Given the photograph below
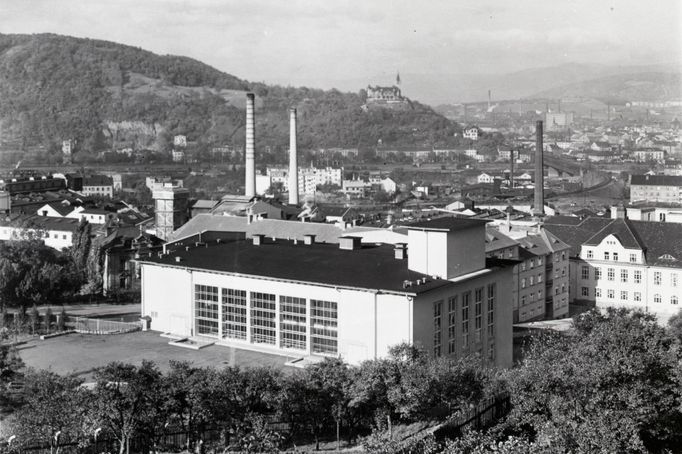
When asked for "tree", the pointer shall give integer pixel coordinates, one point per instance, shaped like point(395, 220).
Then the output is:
point(61, 323)
point(81, 246)
point(34, 319)
point(614, 386)
point(54, 410)
point(675, 325)
point(10, 364)
point(48, 319)
point(124, 397)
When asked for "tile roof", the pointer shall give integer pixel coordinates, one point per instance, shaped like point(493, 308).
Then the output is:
point(369, 267)
point(621, 229)
point(660, 241)
point(448, 223)
point(324, 233)
point(98, 180)
point(576, 235)
point(656, 180)
point(41, 222)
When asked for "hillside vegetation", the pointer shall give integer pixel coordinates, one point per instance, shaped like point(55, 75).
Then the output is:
point(107, 95)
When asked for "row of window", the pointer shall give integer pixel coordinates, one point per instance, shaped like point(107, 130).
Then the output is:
point(624, 295)
point(611, 256)
point(483, 312)
point(624, 275)
point(226, 312)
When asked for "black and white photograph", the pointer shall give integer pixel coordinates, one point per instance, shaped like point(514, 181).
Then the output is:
point(341, 227)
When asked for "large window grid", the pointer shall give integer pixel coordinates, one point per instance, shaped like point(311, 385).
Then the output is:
point(478, 313)
point(234, 314)
point(437, 327)
point(323, 327)
point(452, 323)
point(466, 298)
point(491, 311)
point(263, 318)
point(292, 322)
point(206, 310)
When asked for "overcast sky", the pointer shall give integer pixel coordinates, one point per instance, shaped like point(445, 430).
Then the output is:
point(323, 43)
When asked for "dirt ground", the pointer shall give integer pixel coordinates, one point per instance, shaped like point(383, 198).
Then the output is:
point(83, 353)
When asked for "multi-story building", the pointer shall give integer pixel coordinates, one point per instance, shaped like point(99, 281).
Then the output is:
point(342, 300)
point(471, 133)
point(100, 185)
point(55, 232)
point(633, 264)
point(656, 188)
point(649, 155)
point(540, 287)
point(171, 209)
point(558, 120)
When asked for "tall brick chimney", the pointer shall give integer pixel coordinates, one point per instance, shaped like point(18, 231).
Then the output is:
point(539, 199)
point(250, 151)
point(293, 159)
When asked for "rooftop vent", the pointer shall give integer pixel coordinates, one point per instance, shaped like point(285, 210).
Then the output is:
point(350, 243)
point(258, 239)
point(187, 248)
point(199, 244)
point(407, 284)
point(400, 251)
point(178, 259)
point(308, 239)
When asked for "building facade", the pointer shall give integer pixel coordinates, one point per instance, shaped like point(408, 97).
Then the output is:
point(656, 189)
point(631, 264)
point(306, 298)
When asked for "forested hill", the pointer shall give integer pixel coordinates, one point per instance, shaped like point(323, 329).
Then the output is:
point(107, 95)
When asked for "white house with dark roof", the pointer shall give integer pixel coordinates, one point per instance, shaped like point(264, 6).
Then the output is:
point(349, 300)
point(656, 189)
point(55, 232)
point(631, 264)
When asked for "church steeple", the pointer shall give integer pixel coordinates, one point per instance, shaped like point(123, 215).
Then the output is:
point(397, 79)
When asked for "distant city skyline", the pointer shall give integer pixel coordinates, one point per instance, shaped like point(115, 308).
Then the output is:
point(339, 43)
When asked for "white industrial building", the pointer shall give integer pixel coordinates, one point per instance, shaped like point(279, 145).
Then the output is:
point(353, 300)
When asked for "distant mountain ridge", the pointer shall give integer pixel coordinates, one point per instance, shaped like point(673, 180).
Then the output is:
point(437, 89)
point(105, 95)
point(649, 86)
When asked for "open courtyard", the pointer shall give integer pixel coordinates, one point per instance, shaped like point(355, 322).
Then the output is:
point(82, 354)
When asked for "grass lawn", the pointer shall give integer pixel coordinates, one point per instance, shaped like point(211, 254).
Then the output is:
point(83, 353)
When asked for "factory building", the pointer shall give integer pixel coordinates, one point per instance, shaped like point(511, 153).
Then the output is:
point(349, 300)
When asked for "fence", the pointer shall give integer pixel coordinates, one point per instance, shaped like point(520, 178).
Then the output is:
point(101, 326)
point(484, 415)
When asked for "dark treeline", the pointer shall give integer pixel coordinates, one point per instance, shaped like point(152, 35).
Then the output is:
point(131, 401)
point(614, 384)
point(34, 274)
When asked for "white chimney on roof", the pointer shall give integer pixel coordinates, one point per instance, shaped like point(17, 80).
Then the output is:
point(250, 151)
point(293, 159)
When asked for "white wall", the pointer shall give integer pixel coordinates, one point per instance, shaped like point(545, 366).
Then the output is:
point(368, 323)
point(166, 297)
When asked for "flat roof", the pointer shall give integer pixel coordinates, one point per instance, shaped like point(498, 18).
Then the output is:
point(371, 267)
point(448, 223)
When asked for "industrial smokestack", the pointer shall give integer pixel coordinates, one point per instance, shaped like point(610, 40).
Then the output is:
point(250, 153)
point(539, 199)
point(489, 99)
point(293, 159)
point(511, 170)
